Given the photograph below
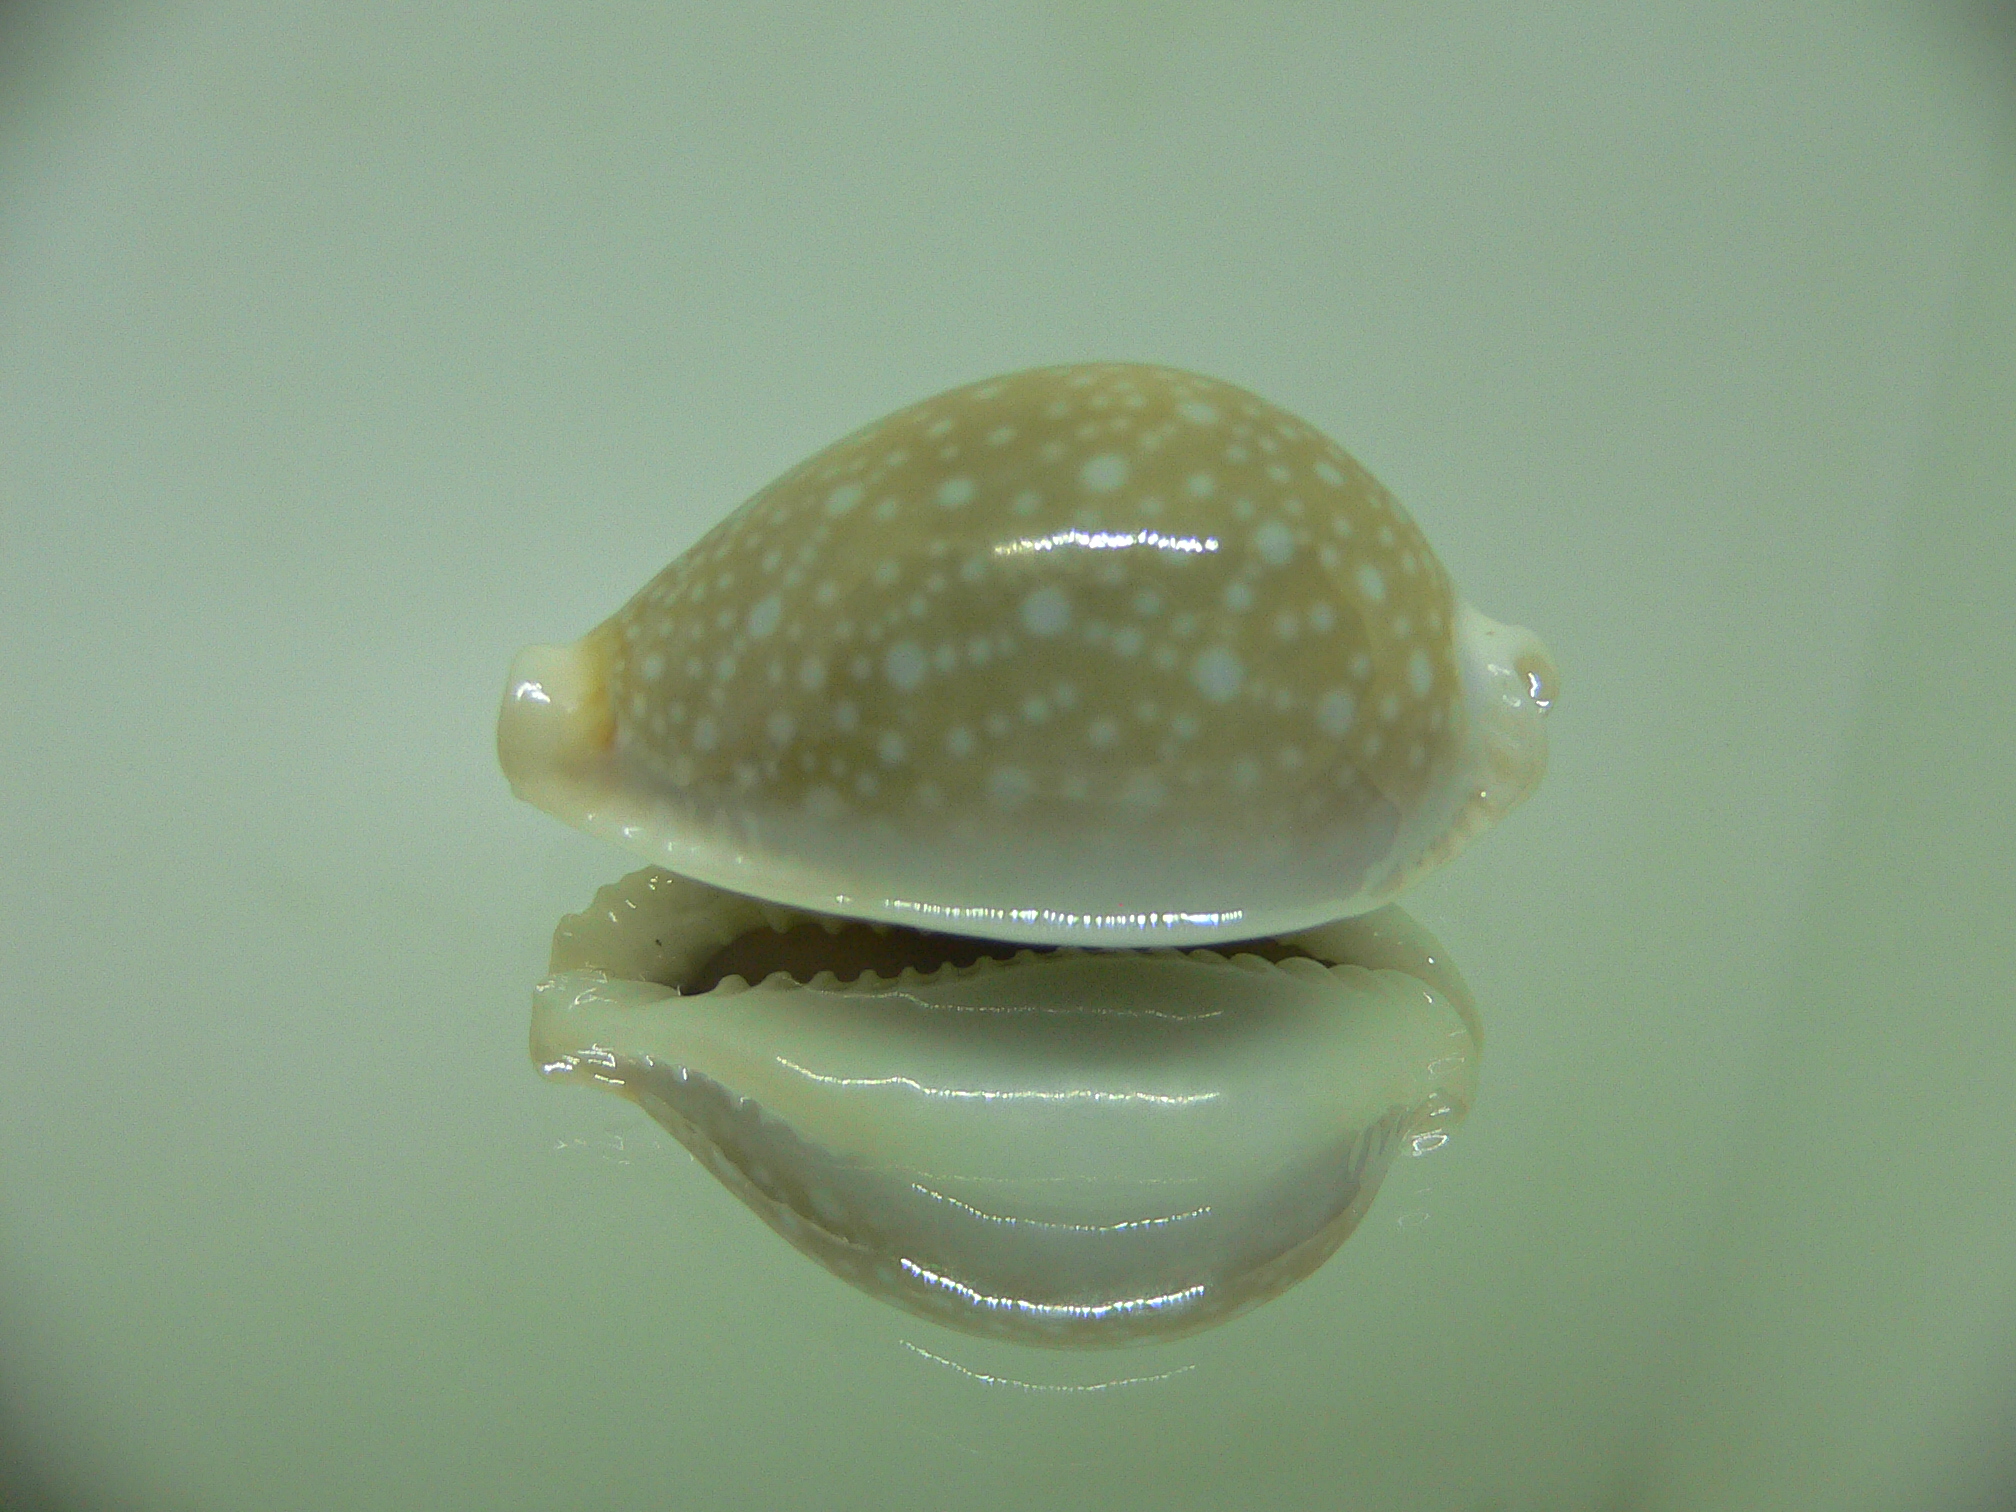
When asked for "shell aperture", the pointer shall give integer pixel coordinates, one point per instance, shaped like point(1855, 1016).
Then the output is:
point(1079, 1148)
point(1104, 654)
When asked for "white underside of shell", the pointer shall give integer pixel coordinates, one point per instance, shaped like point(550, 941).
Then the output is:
point(1079, 1148)
point(1189, 877)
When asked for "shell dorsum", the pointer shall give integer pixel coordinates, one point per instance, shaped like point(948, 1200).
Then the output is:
point(1100, 653)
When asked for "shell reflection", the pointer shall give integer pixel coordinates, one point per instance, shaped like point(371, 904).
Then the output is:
point(1065, 1147)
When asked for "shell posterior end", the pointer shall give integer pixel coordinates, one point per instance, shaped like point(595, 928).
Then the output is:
point(556, 723)
point(1512, 684)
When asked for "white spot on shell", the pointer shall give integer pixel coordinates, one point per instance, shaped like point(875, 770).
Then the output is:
point(1046, 611)
point(1275, 542)
point(954, 492)
point(843, 498)
point(904, 665)
point(1372, 582)
point(1336, 711)
point(1197, 412)
point(1218, 673)
point(1009, 786)
point(1420, 672)
point(1104, 473)
point(764, 616)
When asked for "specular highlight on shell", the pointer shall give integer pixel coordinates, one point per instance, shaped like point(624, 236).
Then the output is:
point(1103, 653)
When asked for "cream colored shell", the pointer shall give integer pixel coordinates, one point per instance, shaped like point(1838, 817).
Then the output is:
point(1099, 653)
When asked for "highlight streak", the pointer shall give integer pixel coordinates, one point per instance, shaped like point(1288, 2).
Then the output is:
point(1091, 1312)
point(1067, 1228)
point(1106, 540)
point(946, 913)
point(1011, 1383)
point(988, 1095)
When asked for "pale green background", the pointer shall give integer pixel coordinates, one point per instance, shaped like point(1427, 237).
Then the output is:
point(344, 348)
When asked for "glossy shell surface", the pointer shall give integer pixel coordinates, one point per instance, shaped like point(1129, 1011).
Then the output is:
point(1104, 654)
point(1079, 1148)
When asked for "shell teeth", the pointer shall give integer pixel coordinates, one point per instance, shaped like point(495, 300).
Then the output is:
point(825, 981)
point(949, 972)
point(778, 917)
point(1245, 960)
point(1204, 953)
point(1303, 966)
point(730, 985)
point(780, 978)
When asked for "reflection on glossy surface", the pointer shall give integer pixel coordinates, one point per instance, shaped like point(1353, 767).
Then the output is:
point(1067, 1147)
point(1103, 654)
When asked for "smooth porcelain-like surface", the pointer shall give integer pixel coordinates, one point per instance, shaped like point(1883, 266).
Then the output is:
point(1069, 1148)
point(1097, 654)
point(347, 349)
